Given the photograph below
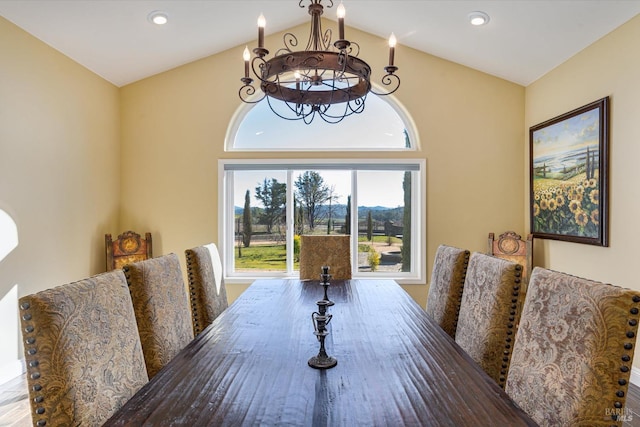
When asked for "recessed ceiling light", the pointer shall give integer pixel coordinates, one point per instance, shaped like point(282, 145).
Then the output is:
point(158, 17)
point(478, 18)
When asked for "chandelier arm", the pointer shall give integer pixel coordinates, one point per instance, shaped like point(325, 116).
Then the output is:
point(343, 58)
point(290, 41)
point(260, 67)
point(390, 81)
point(326, 39)
point(353, 49)
point(247, 91)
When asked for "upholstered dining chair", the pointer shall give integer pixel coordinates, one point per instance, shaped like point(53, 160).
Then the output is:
point(82, 351)
point(510, 246)
point(206, 285)
point(447, 283)
point(573, 351)
point(489, 313)
point(129, 247)
point(161, 306)
point(317, 251)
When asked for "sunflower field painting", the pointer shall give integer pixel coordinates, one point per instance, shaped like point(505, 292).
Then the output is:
point(569, 177)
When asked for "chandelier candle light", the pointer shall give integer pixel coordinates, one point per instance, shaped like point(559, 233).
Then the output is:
point(323, 80)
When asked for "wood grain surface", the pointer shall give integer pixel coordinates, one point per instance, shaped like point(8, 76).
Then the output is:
point(395, 366)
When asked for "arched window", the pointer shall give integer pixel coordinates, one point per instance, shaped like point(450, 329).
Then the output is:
point(383, 126)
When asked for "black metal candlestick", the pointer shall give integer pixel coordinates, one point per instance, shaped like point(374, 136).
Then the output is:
point(325, 276)
point(320, 321)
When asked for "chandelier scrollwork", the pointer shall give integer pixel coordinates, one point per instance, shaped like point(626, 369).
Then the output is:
point(325, 80)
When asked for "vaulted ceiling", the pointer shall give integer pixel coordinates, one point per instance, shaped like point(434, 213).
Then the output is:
point(523, 40)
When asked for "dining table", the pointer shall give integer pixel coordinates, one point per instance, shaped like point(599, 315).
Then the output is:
point(250, 367)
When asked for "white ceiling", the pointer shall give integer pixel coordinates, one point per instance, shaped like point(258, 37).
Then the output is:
point(524, 39)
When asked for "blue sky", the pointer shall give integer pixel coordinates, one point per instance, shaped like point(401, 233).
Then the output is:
point(377, 188)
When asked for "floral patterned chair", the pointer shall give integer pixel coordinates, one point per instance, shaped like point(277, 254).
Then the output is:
point(129, 247)
point(489, 313)
point(325, 250)
point(162, 309)
point(573, 352)
point(510, 246)
point(447, 283)
point(82, 350)
point(206, 286)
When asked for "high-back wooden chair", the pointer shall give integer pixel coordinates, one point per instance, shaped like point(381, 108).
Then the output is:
point(128, 248)
point(489, 313)
point(446, 287)
point(161, 306)
point(325, 250)
point(510, 246)
point(206, 285)
point(82, 350)
point(573, 352)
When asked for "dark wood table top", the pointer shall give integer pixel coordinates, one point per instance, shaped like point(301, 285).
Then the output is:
point(395, 366)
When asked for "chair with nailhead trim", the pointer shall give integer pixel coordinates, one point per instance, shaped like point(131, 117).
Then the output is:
point(510, 246)
point(573, 351)
point(162, 310)
point(447, 283)
point(82, 350)
point(489, 313)
point(206, 286)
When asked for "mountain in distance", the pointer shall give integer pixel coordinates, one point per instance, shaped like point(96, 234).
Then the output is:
point(377, 212)
point(336, 208)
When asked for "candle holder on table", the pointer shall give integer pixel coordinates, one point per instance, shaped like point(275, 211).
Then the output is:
point(320, 321)
point(325, 277)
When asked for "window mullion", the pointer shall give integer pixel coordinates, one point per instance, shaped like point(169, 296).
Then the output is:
point(354, 222)
point(228, 230)
point(289, 222)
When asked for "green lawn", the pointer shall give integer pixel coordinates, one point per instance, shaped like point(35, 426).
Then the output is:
point(273, 257)
point(262, 257)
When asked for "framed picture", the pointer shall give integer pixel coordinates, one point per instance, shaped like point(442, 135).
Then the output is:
point(569, 177)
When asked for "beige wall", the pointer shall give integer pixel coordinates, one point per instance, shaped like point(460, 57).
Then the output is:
point(469, 123)
point(609, 67)
point(59, 163)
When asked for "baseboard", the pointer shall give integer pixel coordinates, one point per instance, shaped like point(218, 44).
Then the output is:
point(635, 376)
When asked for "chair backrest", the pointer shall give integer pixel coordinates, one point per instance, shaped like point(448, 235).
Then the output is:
point(82, 351)
point(447, 283)
point(206, 285)
point(161, 306)
point(573, 352)
point(489, 313)
point(325, 250)
point(128, 248)
point(510, 246)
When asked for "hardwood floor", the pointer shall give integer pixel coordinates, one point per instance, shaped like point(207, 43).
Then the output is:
point(14, 405)
point(633, 407)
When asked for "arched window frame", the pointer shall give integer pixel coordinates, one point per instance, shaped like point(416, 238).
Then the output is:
point(391, 101)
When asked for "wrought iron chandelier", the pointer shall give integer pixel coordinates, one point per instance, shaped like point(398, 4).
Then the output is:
point(326, 80)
